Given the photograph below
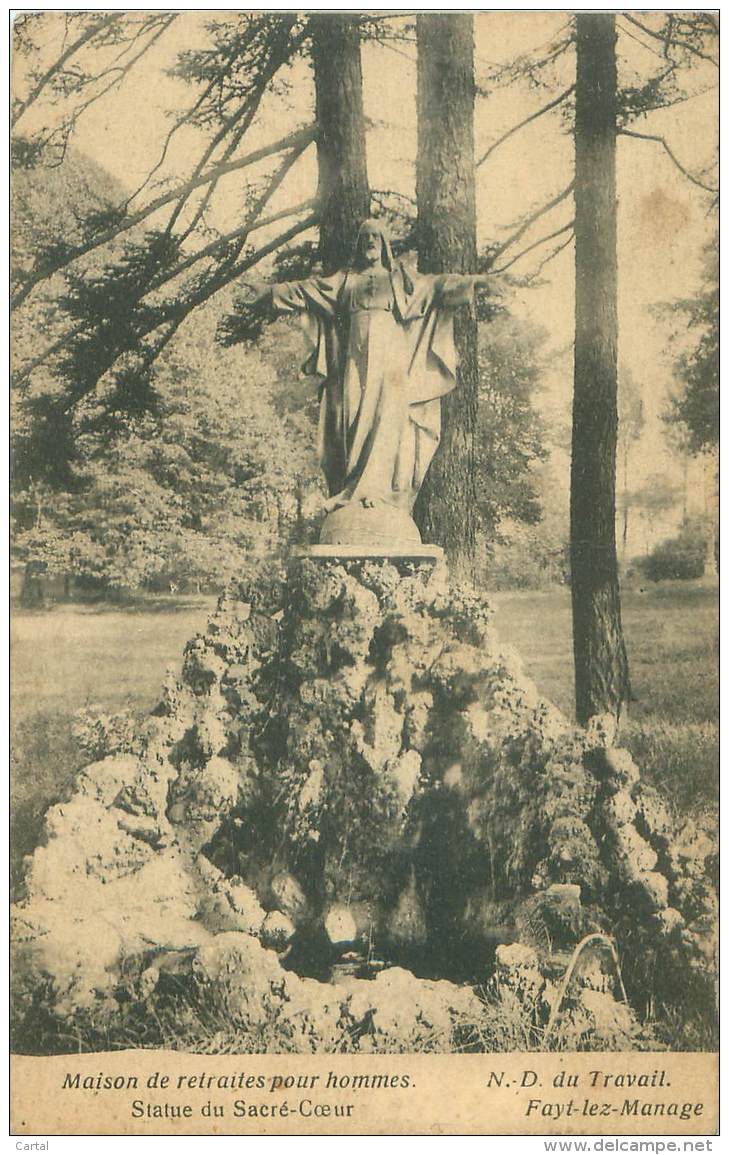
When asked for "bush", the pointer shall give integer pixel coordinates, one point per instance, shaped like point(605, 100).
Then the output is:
point(527, 559)
point(680, 557)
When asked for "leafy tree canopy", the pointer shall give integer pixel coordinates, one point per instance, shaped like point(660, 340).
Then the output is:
point(696, 368)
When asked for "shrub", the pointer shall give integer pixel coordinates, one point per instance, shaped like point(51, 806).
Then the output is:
point(526, 560)
point(99, 733)
point(680, 557)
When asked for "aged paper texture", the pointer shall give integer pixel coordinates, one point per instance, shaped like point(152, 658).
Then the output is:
point(361, 362)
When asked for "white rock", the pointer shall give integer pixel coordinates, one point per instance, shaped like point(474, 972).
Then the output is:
point(339, 925)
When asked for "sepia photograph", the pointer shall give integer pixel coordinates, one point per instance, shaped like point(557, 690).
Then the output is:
point(364, 571)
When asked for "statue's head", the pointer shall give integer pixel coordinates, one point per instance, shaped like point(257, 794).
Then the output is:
point(372, 245)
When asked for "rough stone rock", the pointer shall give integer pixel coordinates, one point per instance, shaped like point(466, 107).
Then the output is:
point(230, 907)
point(516, 957)
point(84, 846)
point(288, 896)
point(202, 665)
point(669, 921)
point(405, 773)
point(373, 752)
point(340, 925)
point(243, 973)
point(601, 730)
point(620, 809)
point(633, 855)
point(82, 948)
point(610, 1020)
point(652, 888)
point(104, 780)
point(199, 798)
point(406, 924)
point(311, 791)
point(560, 908)
point(310, 1015)
point(616, 767)
point(400, 1012)
point(518, 974)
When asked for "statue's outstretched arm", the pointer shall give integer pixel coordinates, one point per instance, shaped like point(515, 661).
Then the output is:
point(458, 288)
point(312, 295)
point(453, 289)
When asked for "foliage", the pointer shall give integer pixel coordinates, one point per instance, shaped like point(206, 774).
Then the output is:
point(510, 432)
point(198, 488)
point(655, 497)
point(190, 468)
point(682, 557)
point(98, 733)
point(697, 367)
point(119, 279)
point(528, 558)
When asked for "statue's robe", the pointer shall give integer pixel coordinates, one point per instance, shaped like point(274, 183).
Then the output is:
point(381, 343)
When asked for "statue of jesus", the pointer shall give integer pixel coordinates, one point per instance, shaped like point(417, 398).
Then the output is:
point(381, 342)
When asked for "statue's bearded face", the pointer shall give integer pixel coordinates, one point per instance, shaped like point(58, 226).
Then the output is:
point(370, 245)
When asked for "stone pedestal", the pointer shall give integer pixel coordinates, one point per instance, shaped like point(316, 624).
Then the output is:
point(379, 526)
point(374, 553)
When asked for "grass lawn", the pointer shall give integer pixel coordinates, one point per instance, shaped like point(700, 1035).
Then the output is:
point(116, 657)
point(74, 656)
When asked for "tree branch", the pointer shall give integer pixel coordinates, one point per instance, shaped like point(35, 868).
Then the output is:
point(522, 123)
point(529, 221)
point(41, 272)
point(569, 227)
point(660, 140)
point(251, 224)
point(182, 120)
point(669, 40)
point(58, 64)
point(223, 277)
point(175, 312)
point(637, 39)
point(245, 114)
point(526, 66)
point(118, 74)
point(241, 235)
point(21, 376)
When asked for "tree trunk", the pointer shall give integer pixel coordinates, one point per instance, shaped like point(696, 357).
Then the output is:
point(601, 667)
point(625, 501)
point(31, 593)
point(711, 506)
point(446, 508)
point(344, 192)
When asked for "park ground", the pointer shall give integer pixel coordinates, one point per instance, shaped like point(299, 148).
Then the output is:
point(114, 658)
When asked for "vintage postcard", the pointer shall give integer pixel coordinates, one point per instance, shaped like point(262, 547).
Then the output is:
point(364, 572)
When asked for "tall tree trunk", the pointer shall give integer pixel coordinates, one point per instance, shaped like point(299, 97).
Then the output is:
point(711, 506)
point(344, 192)
point(446, 508)
point(601, 666)
point(626, 498)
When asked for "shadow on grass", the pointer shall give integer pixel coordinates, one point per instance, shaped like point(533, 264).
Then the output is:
point(136, 604)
